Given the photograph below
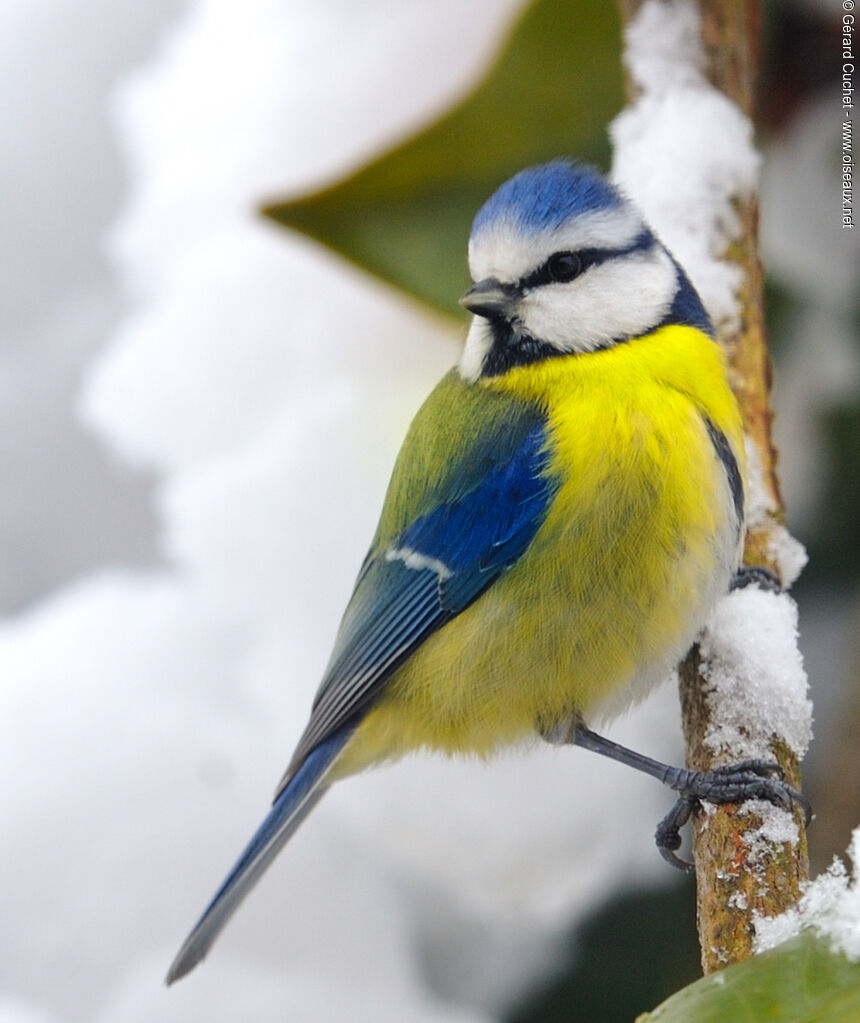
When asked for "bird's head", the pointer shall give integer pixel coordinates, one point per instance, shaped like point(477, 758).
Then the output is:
point(564, 263)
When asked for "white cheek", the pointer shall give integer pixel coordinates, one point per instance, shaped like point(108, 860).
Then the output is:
point(620, 298)
point(479, 341)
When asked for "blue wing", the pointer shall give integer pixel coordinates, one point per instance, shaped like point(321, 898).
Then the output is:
point(430, 572)
point(470, 526)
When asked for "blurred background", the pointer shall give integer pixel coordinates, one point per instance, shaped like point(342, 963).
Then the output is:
point(200, 412)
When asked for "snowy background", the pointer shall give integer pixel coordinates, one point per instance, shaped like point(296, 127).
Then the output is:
point(200, 415)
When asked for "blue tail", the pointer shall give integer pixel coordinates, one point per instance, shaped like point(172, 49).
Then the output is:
point(290, 808)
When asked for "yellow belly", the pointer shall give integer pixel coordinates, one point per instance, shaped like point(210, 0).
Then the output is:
point(639, 541)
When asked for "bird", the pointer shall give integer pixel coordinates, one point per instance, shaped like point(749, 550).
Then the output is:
point(566, 508)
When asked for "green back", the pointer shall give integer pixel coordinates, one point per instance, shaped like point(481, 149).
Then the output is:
point(458, 434)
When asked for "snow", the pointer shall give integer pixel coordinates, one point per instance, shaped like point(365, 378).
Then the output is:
point(684, 151)
point(754, 673)
point(65, 506)
point(294, 94)
point(829, 905)
point(241, 991)
point(756, 687)
point(788, 554)
point(14, 1010)
point(775, 827)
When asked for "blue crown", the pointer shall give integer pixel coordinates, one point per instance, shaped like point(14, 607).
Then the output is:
point(542, 198)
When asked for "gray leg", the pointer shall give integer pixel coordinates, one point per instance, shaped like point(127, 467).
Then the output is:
point(735, 783)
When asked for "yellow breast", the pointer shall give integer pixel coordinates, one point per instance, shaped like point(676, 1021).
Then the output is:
point(639, 541)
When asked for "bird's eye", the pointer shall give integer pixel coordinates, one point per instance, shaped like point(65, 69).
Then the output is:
point(563, 266)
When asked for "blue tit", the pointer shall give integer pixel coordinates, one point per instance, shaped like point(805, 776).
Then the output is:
point(567, 506)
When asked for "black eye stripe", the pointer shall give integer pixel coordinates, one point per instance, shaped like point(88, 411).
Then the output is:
point(586, 257)
point(545, 274)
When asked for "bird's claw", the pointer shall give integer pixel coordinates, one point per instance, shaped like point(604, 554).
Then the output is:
point(762, 768)
point(756, 575)
point(731, 783)
point(668, 834)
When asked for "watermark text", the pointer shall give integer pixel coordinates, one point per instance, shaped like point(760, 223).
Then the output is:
point(847, 151)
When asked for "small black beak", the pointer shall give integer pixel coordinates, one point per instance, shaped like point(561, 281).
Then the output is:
point(490, 299)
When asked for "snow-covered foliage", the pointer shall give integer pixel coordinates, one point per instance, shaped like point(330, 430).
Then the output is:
point(830, 906)
point(146, 716)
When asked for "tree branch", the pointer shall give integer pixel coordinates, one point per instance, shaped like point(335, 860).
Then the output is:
point(735, 881)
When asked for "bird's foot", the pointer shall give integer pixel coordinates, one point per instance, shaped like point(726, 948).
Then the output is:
point(732, 783)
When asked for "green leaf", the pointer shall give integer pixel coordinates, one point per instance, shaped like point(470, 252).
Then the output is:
point(802, 981)
point(406, 215)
